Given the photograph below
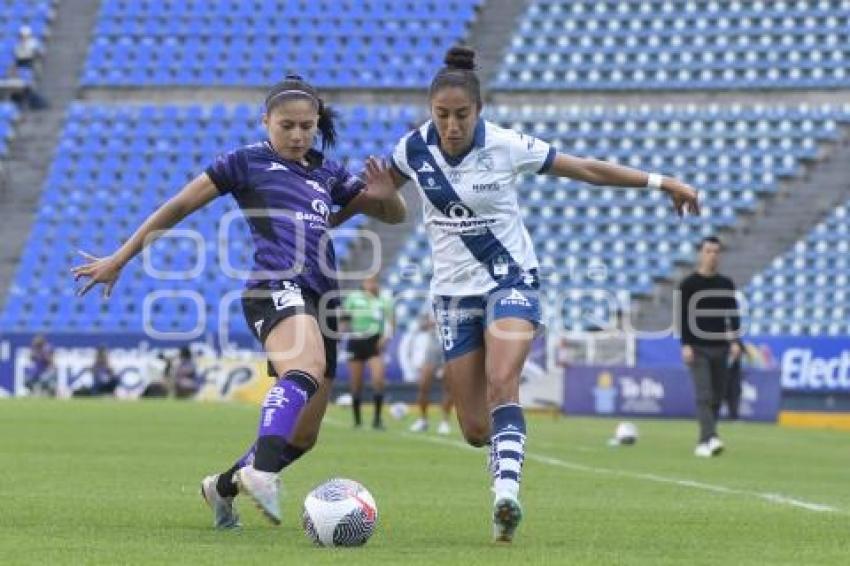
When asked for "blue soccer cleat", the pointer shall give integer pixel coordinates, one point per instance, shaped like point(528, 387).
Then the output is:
point(224, 513)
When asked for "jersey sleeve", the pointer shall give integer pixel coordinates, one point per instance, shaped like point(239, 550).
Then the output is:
point(398, 159)
point(346, 187)
point(529, 154)
point(229, 172)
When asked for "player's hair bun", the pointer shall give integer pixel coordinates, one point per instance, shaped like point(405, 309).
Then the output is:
point(462, 58)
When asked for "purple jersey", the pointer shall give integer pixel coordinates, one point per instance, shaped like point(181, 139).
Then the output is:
point(297, 200)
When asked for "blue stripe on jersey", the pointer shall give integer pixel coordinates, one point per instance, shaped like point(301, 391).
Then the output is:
point(547, 163)
point(485, 247)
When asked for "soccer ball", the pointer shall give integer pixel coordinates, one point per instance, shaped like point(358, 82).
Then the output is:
point(398, 410)
point(626, 433)
point(339, 512)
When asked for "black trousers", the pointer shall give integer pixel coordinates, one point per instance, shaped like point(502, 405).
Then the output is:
point(710, 374)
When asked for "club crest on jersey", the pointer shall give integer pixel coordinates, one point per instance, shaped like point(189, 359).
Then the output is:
point(484, 161)
point(431, 184)
point(425, 168)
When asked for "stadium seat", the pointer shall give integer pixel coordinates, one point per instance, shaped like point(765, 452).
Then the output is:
point(678, 45)
point(405, 40)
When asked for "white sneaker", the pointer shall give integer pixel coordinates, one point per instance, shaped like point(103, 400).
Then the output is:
point(716, 446)
point(444, 428)
point(507, 514)
point(224, 513)
point(703, 450)
point(419, 425)
point(263, 488)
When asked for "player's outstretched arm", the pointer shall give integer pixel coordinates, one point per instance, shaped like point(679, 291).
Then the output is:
point(596, 172)
point(380, 199)
point(105, 270)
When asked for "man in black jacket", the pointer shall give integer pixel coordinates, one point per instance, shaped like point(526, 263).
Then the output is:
point(709, 323)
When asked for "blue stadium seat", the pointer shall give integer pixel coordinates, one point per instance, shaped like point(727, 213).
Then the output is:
point(220, 42)
point(678, 45)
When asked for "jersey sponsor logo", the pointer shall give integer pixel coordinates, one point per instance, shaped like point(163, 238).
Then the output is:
point(471, 227)
point(456, 316)
point(486, 187)
point(458, 211)
point(425, 168)
point(318, 220)
point(322, 208)
point(275, 166)
point(316, 186)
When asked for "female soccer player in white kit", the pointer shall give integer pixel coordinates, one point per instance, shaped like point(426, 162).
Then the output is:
point(485, 282)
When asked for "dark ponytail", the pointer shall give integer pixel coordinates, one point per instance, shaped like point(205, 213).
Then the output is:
point(295, 87)
point(459, 72)
point(327, 124)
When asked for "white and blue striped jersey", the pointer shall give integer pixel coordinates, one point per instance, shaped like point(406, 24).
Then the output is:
point(470, 207)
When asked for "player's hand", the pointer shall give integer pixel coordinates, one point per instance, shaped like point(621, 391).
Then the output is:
point(684, 197)
point(379, 180)
point(735, 350)
point(687, 355)
point(104, 270)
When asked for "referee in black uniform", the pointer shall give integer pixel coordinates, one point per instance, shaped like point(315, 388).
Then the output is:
point(709, 322)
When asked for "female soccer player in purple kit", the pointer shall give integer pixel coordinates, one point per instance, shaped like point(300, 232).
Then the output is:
point(286, 189)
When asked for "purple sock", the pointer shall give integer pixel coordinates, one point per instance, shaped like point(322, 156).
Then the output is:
point(279, 414)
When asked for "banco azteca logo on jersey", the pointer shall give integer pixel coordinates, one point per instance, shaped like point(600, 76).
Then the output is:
point(457, 210)
point(322, 208)
point(317, 220)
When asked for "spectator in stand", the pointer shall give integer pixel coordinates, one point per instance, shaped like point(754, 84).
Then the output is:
point(40, 376)
point(28, 53)
point(104, 379)
point(186, 378)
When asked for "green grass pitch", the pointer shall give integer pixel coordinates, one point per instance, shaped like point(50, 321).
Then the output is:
point(101, 482)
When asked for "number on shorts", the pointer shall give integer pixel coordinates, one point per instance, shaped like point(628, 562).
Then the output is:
point(447, 337)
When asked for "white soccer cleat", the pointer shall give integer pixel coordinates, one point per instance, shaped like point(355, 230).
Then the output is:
point(264, 490)
point(224, 513)
point(716, 446)
point(444, 429)
point(703, 450)
point(419, 425)
point(507, 514)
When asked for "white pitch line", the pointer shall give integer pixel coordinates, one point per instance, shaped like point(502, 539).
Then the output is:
point(776, 498)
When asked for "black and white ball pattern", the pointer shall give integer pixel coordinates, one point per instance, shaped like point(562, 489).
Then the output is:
point(339, 512)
